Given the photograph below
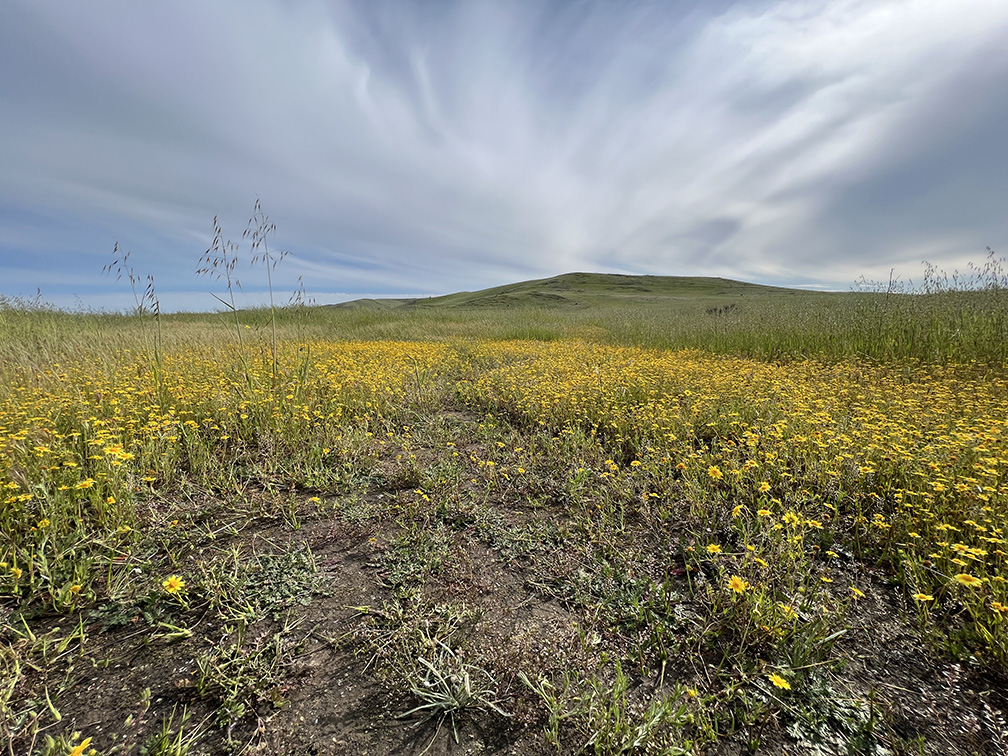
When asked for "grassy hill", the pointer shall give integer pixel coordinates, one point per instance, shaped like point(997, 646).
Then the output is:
point(713, 314)
point(586, 290)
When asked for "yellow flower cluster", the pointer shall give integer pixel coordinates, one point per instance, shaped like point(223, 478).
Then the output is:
point(887, 458)
point(85, 438)
point(891, 458)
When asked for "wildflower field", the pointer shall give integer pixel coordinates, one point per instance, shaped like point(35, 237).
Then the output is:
point(469, 544)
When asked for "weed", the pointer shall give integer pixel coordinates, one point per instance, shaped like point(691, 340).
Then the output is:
point(447, 687)
point(825, 722)
point(605, 719)
point(268, 584)
point(240, 673)
point(171, 739)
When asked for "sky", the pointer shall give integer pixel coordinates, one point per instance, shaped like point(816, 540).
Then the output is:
point(422, 147)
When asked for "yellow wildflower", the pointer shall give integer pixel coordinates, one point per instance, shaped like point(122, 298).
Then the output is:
point(173, 584)
point(737, 584)
point(964, 578)
point(779, 681)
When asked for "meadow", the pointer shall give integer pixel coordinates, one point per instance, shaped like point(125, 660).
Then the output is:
point(584, 516)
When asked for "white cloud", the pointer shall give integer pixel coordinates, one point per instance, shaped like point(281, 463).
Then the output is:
point(407, 149)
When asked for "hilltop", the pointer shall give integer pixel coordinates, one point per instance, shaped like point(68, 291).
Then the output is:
point(582, 290)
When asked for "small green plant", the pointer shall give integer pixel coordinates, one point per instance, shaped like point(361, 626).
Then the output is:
point(50, 647)
point(823, 721)
point(604, 718)
point(266, 585)
point(171, 739)
point(394, 635)
point(447, 687)
point(67, 745)
point(240, 674)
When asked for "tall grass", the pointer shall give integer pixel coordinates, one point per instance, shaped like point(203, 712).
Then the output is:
point(944, 319)
point(955, 326)
point(943, 327)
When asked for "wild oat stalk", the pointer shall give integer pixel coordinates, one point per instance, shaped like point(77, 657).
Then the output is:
point(219, 262)
point(300, 304)
point(146, 301)
point(259, 228)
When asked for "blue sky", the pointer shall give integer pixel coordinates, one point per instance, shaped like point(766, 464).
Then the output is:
point(420, 148)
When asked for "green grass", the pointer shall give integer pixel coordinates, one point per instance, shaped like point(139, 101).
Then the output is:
point(948, 327)
point(937, 322)
point(583, 290)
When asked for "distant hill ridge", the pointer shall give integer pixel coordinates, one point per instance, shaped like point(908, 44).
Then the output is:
point(583, 290)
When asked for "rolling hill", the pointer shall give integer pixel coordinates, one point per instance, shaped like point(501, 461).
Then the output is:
point(584, 290)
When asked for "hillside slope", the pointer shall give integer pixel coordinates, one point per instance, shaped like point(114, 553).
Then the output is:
point(585, 290)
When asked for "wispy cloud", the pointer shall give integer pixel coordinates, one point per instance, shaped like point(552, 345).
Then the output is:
point(425, 148)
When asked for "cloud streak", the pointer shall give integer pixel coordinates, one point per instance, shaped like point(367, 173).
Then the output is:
point(425, 148)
